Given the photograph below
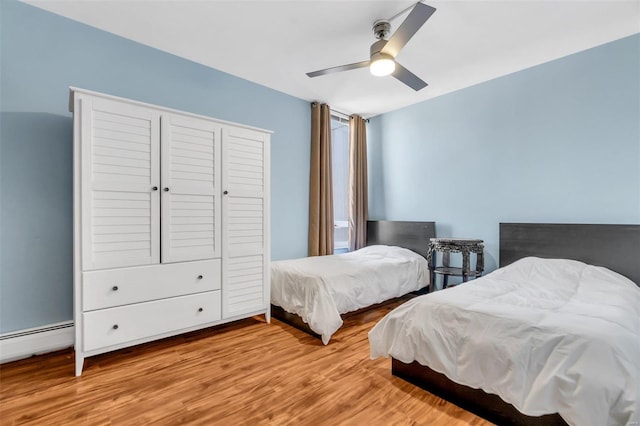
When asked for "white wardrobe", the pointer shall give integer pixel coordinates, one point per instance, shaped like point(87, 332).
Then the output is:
point(171, 222)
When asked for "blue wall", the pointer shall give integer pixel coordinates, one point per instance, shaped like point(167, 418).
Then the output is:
point(559, 142)
point(42, 54)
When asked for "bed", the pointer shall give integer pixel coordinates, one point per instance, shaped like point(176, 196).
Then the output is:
point(314, 293)
point(464, 344)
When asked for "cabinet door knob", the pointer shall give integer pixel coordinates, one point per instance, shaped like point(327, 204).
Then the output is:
point(155, 188)
point(115, 326)
point(166, 190)
point(114, 288)
point(200, 309)
point(225, 192)
point(200, 277)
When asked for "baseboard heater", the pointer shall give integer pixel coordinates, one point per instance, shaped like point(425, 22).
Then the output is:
point(36, 341)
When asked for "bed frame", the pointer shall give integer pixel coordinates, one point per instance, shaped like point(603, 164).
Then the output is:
point(613, 246)
point(616, 247)
point(412, 235)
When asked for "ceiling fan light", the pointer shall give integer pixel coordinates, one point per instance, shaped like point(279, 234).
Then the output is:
point(382, 65)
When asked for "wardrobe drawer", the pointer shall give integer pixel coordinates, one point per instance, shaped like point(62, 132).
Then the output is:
point(116, 287)
point(107, 327)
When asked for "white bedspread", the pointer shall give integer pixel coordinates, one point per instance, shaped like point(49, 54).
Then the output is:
point(320, 288)
point(548, 336)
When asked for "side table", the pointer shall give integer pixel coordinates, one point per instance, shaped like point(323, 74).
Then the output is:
point(455, 245)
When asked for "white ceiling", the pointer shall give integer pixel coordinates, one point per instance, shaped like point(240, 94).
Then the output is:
point(274, 43)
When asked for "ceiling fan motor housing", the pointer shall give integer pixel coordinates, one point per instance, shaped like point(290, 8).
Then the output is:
point(376, 47)
point(380, 64)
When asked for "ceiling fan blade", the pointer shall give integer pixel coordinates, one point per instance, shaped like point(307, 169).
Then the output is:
point(338, 69)
point(408, 78)
point(416, 18)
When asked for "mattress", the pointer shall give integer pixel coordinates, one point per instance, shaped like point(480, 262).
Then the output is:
point(319, 289)
point(546, 335)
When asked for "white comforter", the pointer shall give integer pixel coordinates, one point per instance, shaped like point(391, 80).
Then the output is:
point(548, 336)
point(320, 288)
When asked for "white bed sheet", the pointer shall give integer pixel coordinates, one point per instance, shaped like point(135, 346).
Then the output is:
point(547, 336)
point(320, 288)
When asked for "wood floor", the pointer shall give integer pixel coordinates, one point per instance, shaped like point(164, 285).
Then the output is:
point(248, 372)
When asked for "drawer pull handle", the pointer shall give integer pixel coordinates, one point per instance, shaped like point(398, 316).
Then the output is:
point(114, 288)
point(200, 309)
point(115, 326)
point(200, 277)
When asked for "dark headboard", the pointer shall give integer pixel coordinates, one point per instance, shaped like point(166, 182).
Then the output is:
point(616, 247)
point(412, 235)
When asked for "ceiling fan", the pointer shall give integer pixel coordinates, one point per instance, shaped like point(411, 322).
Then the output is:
point(383, 52)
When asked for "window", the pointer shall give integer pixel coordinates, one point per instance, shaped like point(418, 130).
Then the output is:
point(340, 176)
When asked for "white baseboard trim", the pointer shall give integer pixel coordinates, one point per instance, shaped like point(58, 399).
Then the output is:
point(35, 341)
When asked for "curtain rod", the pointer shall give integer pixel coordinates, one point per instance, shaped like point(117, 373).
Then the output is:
point(339, 113)
point(342, 114)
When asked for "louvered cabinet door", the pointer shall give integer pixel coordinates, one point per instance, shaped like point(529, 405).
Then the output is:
point(190, 189)
point(245, 216)
point(120, 208)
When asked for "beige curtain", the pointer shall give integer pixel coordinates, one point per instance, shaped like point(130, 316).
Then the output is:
point(320, 187)
point(358, 202)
